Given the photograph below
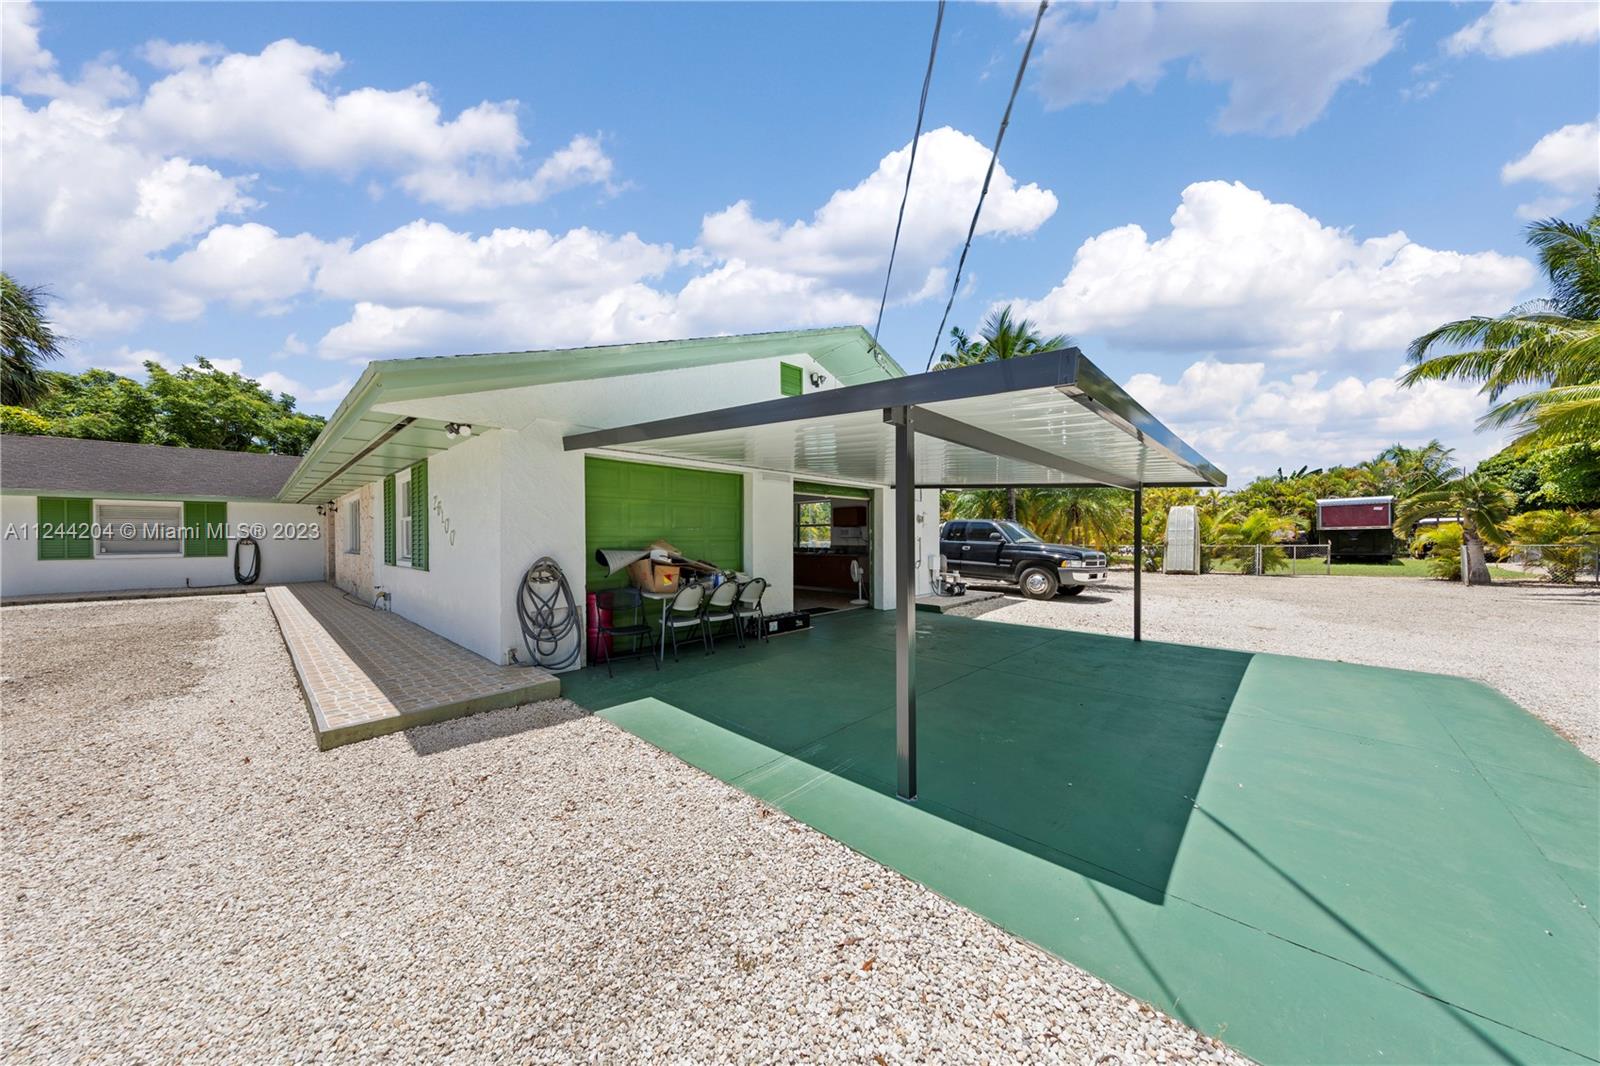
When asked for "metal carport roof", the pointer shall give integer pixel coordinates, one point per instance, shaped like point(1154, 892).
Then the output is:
point(1047, 419)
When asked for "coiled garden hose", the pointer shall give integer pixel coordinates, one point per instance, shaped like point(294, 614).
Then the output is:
point(549, 616)
point(255, 561)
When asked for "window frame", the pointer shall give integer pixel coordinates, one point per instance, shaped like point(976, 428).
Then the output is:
point(100, 523)
point(352, 527)
point(402, 517)
point(800, 526)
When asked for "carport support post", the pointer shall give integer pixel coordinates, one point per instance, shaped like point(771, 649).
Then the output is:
point(1138, 555)
point(905, 601)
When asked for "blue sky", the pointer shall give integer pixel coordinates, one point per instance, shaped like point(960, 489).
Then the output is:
point(1242, 212)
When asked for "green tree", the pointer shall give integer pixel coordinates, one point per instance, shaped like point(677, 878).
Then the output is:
point(27, 342)
point(196, 406)
point(1090, 516)
point(1538, 363)
point(1003, 336)
point(1481, 503)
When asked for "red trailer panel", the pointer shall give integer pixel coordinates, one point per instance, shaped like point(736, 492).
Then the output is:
point(1355, 515)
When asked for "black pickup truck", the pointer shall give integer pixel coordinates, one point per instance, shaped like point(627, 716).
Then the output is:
point(984, 550)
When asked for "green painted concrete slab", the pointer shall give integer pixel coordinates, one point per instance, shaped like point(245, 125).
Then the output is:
point(1315, 861)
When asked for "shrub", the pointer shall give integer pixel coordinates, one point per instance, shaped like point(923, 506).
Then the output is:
point(22, 420)
point(1441, 547)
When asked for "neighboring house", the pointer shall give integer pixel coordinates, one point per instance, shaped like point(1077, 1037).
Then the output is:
point(446, 478)
point(100, 516)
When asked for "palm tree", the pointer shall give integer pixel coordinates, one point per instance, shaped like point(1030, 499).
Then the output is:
point(1093, 516)
point(1550, 347)
point(1002, 337)
point(1481, 503)
point(1418, 468)
point(26, 342)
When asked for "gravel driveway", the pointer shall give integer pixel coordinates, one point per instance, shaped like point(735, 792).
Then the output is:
point(1538, 644)
point(187, 877)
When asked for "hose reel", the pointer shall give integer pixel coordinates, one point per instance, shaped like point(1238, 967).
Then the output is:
point(549, 616)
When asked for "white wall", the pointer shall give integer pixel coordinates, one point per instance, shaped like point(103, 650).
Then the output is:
point(285, 556)
point(458, 596)
point(542, 513)
point(883, 551)
point(769, 536)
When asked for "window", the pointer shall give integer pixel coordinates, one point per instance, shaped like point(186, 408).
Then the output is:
point(352, 526)
point(140, 529)
point(955, 531)
point(814, 524)
point(980, 530)
point(1018, 534)
point(791, 379)
point(402, 515)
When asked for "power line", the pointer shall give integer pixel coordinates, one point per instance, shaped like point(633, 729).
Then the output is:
point(1005, 120)
point(922, 107)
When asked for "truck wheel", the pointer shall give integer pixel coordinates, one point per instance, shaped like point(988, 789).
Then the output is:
point(1037, 583)
point(1072, 590)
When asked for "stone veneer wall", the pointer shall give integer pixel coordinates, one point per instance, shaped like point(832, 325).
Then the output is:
point(352, 571)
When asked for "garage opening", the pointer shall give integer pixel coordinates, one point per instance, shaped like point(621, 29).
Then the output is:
point(631, 505)
point(832, 547)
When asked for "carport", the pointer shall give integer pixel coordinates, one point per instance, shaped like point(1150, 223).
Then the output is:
point(1047, 420)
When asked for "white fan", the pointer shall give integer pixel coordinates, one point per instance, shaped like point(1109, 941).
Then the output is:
point(859, 576)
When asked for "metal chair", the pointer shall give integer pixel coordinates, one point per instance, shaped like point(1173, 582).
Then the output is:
point(719, 609)
point(748, 605)
point(615, 602)
point(685, 610)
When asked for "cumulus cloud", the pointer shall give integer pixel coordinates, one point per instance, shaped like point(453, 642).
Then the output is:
point(1282, 63)
point(427, 287)
point(1567, 161)
point(1518, 28)
point(1240, 273)
point(1249, 422)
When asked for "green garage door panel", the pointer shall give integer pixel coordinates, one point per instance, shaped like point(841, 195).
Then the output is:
point(628, 505)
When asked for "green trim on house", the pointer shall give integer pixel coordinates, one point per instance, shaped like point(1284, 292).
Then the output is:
point(64, 527)
point(791, 379)
point(417, 505)
point(388, 521)
point(819, 488)
point(339, 461)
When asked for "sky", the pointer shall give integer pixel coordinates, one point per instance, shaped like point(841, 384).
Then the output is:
point(1241, 212)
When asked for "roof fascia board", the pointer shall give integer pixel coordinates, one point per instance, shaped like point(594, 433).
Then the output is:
point(164, 497)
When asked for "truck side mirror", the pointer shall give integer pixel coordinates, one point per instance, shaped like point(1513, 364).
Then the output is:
point(996, 536)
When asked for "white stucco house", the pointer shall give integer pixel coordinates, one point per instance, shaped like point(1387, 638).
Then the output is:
point(445, 478)
point(90, 516)
point(438, 481)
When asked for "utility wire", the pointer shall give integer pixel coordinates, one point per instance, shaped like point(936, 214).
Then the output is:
point(1005, 120)
point(922, 107)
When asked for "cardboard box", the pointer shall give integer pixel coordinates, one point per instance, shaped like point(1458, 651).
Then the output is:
point(653, 577)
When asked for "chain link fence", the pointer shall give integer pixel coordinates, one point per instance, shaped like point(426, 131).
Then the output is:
point(1267, 560)
point(1560, 564)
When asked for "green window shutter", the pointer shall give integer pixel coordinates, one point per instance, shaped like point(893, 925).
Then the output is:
point(419, 516)
point(791, 379)
point(205, 529)
point(64, 528)
point(194, 521)
point(388, 520)
point(80, 518)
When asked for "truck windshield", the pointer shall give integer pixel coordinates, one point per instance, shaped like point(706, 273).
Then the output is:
point(1018, 534)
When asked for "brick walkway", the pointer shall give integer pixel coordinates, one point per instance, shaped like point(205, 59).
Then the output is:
point(366, 673)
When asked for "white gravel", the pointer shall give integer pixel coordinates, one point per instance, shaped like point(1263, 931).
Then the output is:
point(1538, 644)
point(186, 877)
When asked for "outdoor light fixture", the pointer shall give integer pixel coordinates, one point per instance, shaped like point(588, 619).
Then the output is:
point(817, 379)
point(457, 430)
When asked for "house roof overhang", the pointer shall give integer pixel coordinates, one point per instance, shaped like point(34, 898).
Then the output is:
point(1052, 419)
point(379, 428)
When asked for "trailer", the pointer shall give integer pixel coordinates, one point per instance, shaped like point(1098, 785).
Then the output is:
point(1357, 527)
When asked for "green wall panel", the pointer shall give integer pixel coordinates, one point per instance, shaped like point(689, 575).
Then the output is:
point(628, 505)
